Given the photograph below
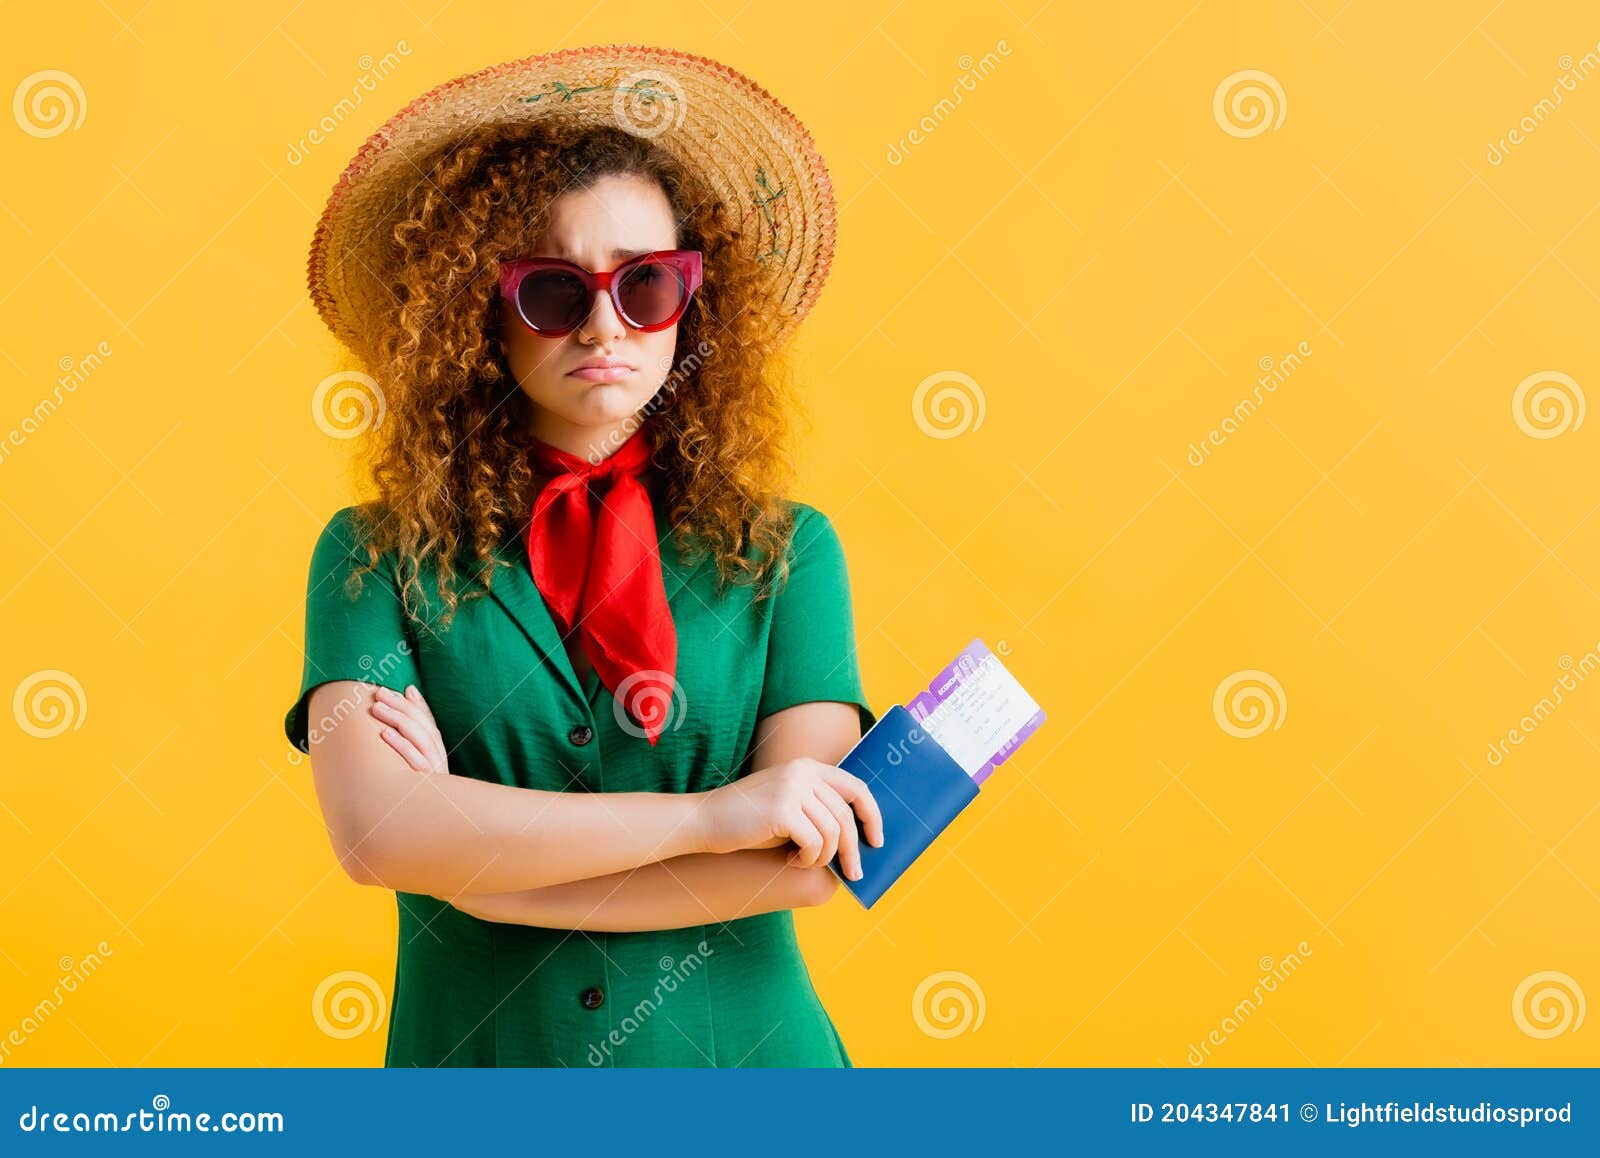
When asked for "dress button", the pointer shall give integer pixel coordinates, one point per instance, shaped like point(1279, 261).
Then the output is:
point(581, 734)
point(592, 997)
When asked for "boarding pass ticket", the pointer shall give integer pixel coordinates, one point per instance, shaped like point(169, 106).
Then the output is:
point(977, 711)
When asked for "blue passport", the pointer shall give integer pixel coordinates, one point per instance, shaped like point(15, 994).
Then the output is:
point(919, 788)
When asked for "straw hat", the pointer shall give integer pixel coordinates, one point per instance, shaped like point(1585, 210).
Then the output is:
point(750, 149)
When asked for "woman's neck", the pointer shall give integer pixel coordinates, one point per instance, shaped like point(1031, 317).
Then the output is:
point(593, 444)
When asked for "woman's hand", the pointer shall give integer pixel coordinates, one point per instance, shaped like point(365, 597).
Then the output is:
point(801, 800)
point(410, 729)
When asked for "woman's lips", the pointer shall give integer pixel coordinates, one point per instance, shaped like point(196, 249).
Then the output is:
point(602, 373)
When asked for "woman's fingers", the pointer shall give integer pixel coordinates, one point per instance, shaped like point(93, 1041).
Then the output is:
point(398, 705)
point(827, 823)
point(402, 722)
point(406, 748)
point(849, 838)
point(804, 833)
point(855, 792)
point(407, 719)
point(414, 694)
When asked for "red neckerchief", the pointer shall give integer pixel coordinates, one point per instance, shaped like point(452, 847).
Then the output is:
point(601, 573)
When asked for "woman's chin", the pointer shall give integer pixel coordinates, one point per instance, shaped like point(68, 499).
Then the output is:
point(596, 404)
point(610, 401)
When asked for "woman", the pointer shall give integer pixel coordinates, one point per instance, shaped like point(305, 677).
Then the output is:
point(577, 681)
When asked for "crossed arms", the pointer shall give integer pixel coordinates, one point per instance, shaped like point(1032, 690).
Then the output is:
point(615, 861)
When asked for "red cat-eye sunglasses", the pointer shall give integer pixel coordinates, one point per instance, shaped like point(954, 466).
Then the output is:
point(553, 297)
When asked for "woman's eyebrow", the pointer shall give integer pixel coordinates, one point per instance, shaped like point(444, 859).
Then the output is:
point(619, 253)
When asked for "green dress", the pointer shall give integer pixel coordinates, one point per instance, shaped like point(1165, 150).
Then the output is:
point(469, 992)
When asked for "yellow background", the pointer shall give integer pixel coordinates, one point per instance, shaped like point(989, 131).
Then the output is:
point(1110, 266)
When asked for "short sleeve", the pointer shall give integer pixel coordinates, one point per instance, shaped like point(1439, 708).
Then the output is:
point(362, 638)
point(811, 646)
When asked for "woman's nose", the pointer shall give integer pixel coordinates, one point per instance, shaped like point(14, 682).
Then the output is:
point(602, 324)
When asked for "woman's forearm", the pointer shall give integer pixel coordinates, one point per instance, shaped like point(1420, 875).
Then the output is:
point(446, 834)
point(450, 834)
point(697, 889)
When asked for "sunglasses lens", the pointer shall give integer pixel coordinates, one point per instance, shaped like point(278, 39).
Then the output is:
point(552, 299)
point(651, 293)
